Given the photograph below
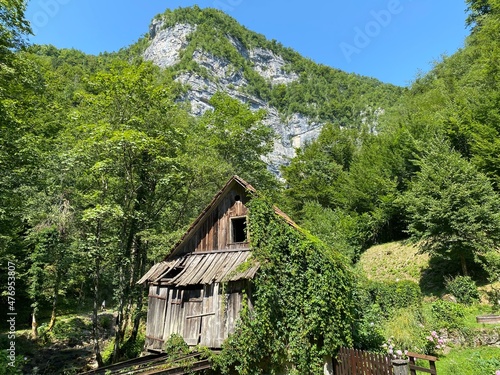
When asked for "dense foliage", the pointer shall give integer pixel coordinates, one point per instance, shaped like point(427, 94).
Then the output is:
point(102, 169)
point(303, 306)
point(398, 182)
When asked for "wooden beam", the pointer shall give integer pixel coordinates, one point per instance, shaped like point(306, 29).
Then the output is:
point(199, 315)
point(422, 369)
point(422, 356)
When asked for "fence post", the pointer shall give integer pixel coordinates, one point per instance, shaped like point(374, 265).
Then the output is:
point(400, 366)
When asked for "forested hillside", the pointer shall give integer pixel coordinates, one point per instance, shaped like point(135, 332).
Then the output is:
point(431, 171)
point(103, 165)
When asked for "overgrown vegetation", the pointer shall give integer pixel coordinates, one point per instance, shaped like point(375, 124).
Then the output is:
point(303, 301)
point(102, 170)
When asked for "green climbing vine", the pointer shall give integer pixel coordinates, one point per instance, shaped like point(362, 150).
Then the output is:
point(302, 303)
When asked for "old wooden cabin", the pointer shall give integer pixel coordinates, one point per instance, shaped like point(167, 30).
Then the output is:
point(196, 291)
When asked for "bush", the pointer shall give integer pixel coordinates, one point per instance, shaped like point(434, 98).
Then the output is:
point(367, 333)
point(494, 299)
point(447, 315)
point(9, 366)
point(463, 288)
point(107, 352)
point(392, 296)
point(405, 328)
point(176, 347)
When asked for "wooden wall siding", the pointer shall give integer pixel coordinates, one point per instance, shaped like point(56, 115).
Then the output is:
point(157, 309)
point(214, 232)
point(203, 315)
point(193, 306)
point(210, 324)
point(175, 315)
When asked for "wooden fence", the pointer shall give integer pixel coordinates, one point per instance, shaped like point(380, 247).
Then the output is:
point(357, 362)
point(414, 368)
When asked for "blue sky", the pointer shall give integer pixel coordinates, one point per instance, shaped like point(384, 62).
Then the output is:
point(391, 40)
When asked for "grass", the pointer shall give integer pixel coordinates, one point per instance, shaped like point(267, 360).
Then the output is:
point(397, 261)
point(392, 261)
point(471, 361)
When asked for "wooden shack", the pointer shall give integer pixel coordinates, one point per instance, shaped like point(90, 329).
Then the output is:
point(196, 291)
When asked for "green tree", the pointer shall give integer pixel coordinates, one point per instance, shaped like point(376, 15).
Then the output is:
point(477, 10)
point(13, 28)
point(127, 138)
point(452, 207)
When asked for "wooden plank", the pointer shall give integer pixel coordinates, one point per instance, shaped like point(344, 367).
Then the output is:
point(422, 356)
point(167, 327)
point(216, 260)
point(216, 341)
point(197, 273)
point(156, 297)
point(202, 268)
point(231, 265)
point(241, 259)
point(215, 229)
point(422, 369)
point(192, 306)
point(207, 322)
point(209, 276)
point(190, 265)
point(200, 315)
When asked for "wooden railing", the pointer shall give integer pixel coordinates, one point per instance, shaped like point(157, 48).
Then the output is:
point(414, 368)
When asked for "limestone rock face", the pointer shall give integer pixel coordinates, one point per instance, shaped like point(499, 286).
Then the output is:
point(166, 45)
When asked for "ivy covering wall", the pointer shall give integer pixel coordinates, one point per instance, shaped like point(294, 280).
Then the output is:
point(302, 301)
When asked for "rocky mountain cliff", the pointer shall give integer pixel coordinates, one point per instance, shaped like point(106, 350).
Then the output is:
point(209, 52)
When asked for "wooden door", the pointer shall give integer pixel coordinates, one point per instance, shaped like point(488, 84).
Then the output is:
point(193, 309)
point(156, 317)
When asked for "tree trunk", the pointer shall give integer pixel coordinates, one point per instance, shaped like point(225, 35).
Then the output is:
point(95, 328)
point(119, 317)
point(54, 301)
point(34, 325)
point(141, 265)
point(97, 278)
point(464, 265)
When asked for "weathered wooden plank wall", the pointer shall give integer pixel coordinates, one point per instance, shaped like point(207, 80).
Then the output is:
point(203, 315)
point(214, 232)
point(157, 309)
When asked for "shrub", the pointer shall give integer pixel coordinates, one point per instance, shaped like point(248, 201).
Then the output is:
point(107, 352)
point(367, 333)
point(463, 288)
point(392, 296)
point(9, 366)
point(106, 321)
point(176, 347)
point(71, 330)
point(494, 299)
point(435, 343)
point(447, 315)
point(405, 330)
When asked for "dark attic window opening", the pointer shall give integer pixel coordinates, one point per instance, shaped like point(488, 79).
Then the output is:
point(239, 229)
point(173, 273)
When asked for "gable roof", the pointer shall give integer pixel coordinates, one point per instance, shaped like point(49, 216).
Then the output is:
point(199, 263)
point(235, 180)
